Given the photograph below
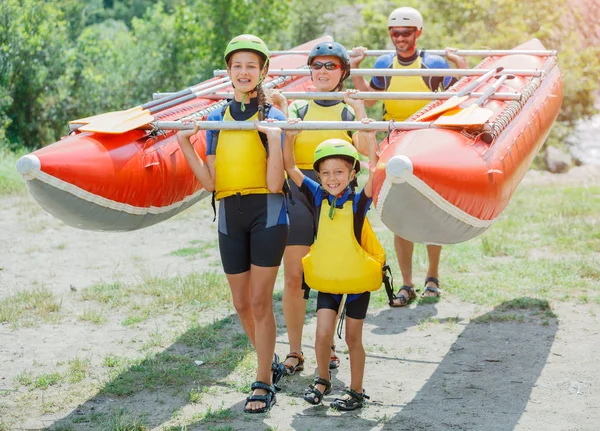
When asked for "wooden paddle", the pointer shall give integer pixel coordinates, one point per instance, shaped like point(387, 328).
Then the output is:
point(474, 115)
point(459, 98)
point(114, 115)
point(115, 123)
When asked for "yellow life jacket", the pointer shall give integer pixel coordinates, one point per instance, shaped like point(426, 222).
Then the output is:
point(307, 141)
point(336, 262)
point(240, 162)
point(400, 110)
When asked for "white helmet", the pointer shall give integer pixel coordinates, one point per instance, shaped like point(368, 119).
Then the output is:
point(405, 17)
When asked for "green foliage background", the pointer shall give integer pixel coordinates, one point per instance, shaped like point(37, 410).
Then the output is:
point(67, 59)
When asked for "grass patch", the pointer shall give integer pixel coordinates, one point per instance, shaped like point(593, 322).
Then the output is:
point(11, 181)
point(198, 248)
point(93, 316)
point(30, 307)
point(121, 420)
point(546, 245)
point(195, 291)
point(218, 345)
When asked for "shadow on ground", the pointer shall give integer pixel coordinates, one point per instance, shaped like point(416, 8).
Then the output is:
point(485, 380)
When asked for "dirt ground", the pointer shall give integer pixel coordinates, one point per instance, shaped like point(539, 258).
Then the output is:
point(450, 374)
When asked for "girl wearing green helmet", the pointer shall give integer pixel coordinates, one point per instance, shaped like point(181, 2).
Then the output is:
point(245, 170)
point(330, 66)
point(340, 260)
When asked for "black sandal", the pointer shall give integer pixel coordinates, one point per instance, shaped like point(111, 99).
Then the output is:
point(435, 290)
point(315, 396)
point(279, 370)
point(334, 361)
point(403, 300)
point(293, 369)
point(269, 398)
point(353, 402)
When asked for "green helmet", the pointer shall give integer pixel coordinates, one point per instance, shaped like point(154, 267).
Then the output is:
point(339, 148)
point(247, 42)
point(333, 49)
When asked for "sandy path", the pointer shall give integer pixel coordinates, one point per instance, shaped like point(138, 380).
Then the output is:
point(450, 373)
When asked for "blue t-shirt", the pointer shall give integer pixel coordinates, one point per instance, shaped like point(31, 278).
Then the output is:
point(212, 136)
point(428, 61)
point(316, 194)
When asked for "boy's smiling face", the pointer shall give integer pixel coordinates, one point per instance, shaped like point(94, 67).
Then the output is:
point(335, 175)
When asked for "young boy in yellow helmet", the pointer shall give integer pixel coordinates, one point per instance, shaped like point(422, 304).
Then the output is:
point(338, 262)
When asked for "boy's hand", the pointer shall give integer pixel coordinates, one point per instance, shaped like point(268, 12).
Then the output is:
point(293, 133)
point(356, 104)
point(369, 133)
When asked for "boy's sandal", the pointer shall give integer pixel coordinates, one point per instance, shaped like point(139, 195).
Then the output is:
point(279, 370)
point(352, 401)
point(334, 361)
point(315, 396)
point(293, 369)
point(269, 398)
point(435, 290)
point(404, 300)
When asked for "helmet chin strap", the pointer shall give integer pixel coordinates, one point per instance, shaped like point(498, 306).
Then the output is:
point(260, 80)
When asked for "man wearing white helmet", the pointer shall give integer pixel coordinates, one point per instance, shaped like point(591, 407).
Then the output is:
point(405, 26)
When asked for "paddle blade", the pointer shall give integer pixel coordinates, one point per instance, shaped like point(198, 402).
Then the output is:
point(107, 115)
point(119, 125)
point(473, 116)
point(449, 104)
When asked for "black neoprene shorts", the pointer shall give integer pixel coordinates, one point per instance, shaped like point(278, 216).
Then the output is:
point(253, 230)
point(356, 309)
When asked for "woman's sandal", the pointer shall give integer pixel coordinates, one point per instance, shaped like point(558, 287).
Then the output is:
point(334, 361)
point(351, 401)
point(269, 398)
point(435, 290)
point(293, 369)
point(403, 300)
point(315, 396)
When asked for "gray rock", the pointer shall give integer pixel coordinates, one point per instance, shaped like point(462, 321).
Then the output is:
point(557, 161)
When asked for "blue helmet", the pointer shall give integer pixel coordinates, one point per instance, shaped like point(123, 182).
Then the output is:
point(333, 49)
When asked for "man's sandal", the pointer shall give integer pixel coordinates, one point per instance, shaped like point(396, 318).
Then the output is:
point(279, 370)
point(269, 398)
point(334, 361)
point(351, 401)
point(403, 300)
point(315, 396)
point(435, 290)
point(293, 369)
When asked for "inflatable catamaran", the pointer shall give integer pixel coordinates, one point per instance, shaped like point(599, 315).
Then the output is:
point(444, 176)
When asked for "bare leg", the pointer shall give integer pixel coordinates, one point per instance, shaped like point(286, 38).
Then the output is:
point(354, 329)
point(433, 252)
point(240, 291)
point(404, 253)
point(325, 330)
point(262, 282)
point(294, 304)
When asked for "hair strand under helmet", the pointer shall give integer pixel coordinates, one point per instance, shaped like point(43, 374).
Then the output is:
point(405, 17)
point(332, 49)
point(336, 148)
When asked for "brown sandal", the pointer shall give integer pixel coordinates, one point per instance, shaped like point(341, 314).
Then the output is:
point(293, 369)
point(404, 300)
point(334, 361)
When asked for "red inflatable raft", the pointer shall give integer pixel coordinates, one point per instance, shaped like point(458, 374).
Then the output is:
point(442, 186)
point(127, 181)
